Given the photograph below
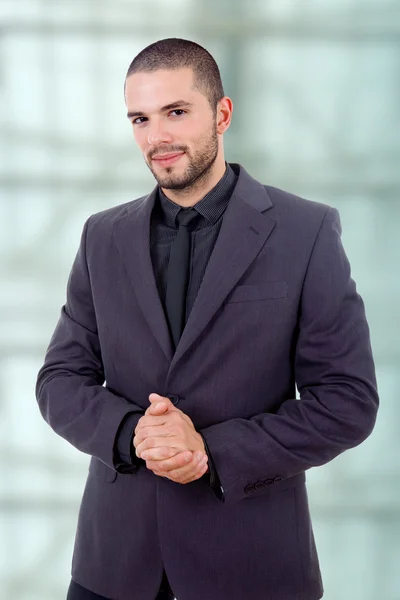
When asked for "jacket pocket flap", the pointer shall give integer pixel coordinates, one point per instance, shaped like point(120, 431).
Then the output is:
point(259, 291)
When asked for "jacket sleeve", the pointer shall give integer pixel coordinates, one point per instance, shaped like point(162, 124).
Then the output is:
point(335, 375)
point(69, 387)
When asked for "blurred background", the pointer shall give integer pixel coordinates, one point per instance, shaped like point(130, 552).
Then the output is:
point(316, 93)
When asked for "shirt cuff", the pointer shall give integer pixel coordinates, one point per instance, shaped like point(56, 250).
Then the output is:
point(211, 475)
point(125, 457)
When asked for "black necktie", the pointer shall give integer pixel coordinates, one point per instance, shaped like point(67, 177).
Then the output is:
point(178, 273)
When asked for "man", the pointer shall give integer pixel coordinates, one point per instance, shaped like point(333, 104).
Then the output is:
point(200, 307)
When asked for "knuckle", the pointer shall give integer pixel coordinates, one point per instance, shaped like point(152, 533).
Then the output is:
point(181, 460)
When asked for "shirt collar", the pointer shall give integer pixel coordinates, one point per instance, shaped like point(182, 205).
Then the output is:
point(210, 207)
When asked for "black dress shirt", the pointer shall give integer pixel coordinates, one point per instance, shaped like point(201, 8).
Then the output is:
point(163, 229)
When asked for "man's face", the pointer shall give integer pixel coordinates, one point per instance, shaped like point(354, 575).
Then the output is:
point(173, 125)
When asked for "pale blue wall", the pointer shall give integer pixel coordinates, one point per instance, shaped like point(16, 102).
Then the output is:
point(316, 99)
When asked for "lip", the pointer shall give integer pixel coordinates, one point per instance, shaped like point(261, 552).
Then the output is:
point(167, 159)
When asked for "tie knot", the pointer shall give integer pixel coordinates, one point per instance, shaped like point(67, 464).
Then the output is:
point(186, 217)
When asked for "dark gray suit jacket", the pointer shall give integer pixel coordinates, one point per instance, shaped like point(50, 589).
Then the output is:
point(277, 307)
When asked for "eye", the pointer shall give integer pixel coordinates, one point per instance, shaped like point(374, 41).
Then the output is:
point(136, 121)
point(140, 120)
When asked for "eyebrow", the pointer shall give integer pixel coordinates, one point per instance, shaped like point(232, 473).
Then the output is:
point(177, 104)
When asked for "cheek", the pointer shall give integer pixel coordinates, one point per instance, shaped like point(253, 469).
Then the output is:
point(186, 132)
point(141, 139)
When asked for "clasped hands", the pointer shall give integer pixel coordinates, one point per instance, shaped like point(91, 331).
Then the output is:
point(166, 439)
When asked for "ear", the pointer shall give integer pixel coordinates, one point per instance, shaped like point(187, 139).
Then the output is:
point(224, 114)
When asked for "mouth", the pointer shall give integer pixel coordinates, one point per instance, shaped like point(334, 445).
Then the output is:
point(164, 160)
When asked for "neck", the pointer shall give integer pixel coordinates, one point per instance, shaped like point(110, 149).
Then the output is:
point(194, 193)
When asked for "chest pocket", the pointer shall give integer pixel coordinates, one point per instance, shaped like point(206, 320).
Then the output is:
point(259, 291)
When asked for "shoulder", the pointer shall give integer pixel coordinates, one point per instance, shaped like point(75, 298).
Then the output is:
point(105, 219)
point(114, 213)
point(298, 212)
point(285, 202)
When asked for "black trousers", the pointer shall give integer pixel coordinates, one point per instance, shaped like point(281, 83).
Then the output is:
point(77, 592)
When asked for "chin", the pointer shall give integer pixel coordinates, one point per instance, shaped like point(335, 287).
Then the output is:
point(172, 185)
point(173, 181)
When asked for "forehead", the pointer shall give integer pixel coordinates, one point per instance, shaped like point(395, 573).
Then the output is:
point(151, 90)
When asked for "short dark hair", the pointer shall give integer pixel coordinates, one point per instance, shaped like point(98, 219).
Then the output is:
point(176, 53)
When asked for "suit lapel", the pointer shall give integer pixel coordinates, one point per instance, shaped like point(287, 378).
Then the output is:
point(244, 231)
point(132, 235)
point(243, 234)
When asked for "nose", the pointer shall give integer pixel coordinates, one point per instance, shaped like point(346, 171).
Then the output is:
point(157, 134)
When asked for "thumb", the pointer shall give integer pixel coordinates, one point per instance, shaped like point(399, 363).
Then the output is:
point(159, 404)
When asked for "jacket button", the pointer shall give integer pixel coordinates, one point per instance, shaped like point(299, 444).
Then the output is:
point(259, 485)
point(249, 488)
point(278, 478)
point(174, 398)
point(268, 481)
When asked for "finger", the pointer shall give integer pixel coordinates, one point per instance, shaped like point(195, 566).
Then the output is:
point(156, 434)
point(151, 420)
point(156, 409)
point(161, 454)
point(194, 470)
point(176, 460)
point(152, 445)
point(178, 469)
point(202, 470)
